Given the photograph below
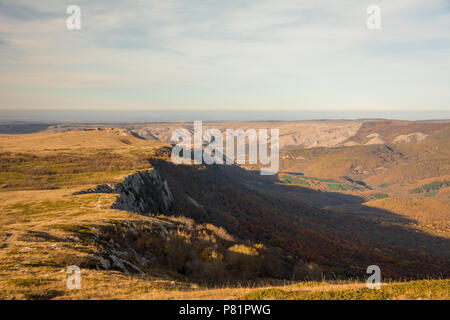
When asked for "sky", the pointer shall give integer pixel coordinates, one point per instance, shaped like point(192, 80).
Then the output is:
point(228, 55)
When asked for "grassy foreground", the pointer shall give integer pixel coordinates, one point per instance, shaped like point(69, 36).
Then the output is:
point(412, 290)
point(114, 285)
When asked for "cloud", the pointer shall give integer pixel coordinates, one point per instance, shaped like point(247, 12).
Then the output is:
point(25, 13)
point(229, 54)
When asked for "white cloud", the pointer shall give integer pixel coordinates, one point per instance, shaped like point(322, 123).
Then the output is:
point(263, 54)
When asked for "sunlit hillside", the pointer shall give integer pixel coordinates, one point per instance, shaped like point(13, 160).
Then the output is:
point(111, 202)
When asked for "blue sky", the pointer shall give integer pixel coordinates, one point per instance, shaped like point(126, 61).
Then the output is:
point(225, 55)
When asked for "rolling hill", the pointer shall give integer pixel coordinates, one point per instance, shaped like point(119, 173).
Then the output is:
point(318, 219)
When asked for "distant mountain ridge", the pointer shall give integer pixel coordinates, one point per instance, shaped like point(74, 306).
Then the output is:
point(293, 134)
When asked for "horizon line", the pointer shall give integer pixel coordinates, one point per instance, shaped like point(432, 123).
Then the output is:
point(99, 116)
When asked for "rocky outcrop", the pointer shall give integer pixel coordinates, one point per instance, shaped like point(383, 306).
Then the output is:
point(375, 140)
point(144, 192)
point(412, 137)
point(115, 251)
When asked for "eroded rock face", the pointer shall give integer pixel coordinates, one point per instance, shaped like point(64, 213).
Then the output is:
point(144, 192)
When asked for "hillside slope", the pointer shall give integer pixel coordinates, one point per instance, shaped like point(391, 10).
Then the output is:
point(224, 223)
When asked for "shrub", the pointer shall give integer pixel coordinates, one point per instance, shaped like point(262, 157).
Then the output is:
point(307, 271)
point(380, 195)
point(177, 253)
point(219, 232)
point(434, 186)
point(294, 180)
point(241, 248)
point(336, 187)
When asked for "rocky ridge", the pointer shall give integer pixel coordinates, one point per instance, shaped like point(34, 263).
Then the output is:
point(144, 192)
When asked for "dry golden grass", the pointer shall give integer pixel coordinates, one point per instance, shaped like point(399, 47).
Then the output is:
point(73, 140)
point(411, 290)
point(123, 287)
point(71, 159)
point(430, 216)
point(424, 211)
point(36, 247)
